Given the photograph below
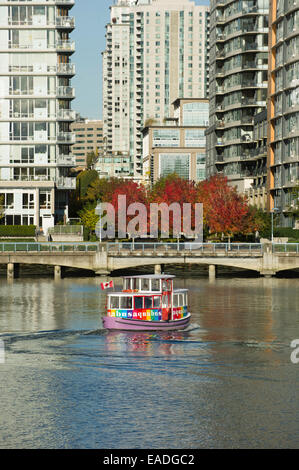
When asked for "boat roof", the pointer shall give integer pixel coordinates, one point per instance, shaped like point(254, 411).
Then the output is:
point(151, 276)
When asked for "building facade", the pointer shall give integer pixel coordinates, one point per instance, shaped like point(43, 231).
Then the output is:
point(238, 87)
point(88, 139)
point(179, 146)
point(35, 110)
point(156, 51)
point(283, 110)
point(257, 193)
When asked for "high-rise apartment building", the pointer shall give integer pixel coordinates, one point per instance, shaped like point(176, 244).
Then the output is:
point(156, 51)
point(35, 110)
point(283, 110)
point(238, 88)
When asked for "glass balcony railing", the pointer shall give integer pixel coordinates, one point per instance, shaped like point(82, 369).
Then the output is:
point(65, 22)
point(66, 137)
point(65, 182)
point(66, 114)
point(65, 45)
point(65, 92)
point(65, 69)
point(66, 160)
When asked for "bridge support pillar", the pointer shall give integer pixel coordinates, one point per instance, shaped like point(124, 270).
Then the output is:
point(10, 271)
point(102, 272)
point(268, 274)
point(57, 273)
point(212, 272)
point(158, 268)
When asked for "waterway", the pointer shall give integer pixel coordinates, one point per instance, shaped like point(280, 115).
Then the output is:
point(226, 382)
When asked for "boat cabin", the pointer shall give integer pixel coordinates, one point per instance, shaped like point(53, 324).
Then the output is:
point(155, 283)
point(148, 298)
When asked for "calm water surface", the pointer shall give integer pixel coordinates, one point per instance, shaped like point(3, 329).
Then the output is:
point(226, 382)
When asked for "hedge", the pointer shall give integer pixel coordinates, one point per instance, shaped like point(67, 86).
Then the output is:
point(286, 232)
point(17, 230)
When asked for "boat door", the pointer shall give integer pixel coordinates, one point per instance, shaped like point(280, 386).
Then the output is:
point(166, 304)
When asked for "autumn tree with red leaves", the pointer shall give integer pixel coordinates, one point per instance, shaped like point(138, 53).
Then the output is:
point(173, 189)
point(225, 210)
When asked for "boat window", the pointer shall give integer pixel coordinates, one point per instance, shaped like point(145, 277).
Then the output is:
point(138, 301)
point(165, 286)
point(126, 302)
point(157, 301)
point(114, 302)
point(127, 284)
point(135, 283)
point(186, 299)
point(147, 302)
point(145, 284)
point(181, 302)
point(155, 285)
point(175, 300)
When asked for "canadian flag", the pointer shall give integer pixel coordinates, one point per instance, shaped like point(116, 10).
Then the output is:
point(106, 285)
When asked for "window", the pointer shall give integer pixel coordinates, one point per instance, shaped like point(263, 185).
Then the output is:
point(138, 302)
point(126, 302)
point(147, 302)
point(155, 285)
point(144, 284)
point(114, 302)
point(175, 300)
point(174, 163)
point(166, 138)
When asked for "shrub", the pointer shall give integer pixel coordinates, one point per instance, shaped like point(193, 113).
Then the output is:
point(286, 232)
point(17, 231)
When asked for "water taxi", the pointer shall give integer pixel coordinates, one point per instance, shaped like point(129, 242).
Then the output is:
point(147, 303)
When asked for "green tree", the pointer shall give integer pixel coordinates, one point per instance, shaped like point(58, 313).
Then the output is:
point(294, 207)
point(84, 180)
point(261, 221)
point(89, 218)
point(91, 159)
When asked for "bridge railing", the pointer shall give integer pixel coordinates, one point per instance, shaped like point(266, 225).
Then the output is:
point(48, 247)
point(208, 248)
point(149, 247)
point(285, 247)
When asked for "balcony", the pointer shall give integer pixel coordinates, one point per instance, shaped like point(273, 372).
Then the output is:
point(64, 2)
point(65, 92)
point(66, 137)
point(66, 160)
point(65, 22)
point(66, 182)
point(66, 114)
point(65, 69)
point(65, 45)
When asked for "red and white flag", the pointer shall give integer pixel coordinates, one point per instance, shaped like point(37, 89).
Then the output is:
point(106, 285)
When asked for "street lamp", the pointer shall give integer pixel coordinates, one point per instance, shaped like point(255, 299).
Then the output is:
point(275, 209)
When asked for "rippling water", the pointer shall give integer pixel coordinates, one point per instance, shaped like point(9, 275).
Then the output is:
point(226, 382)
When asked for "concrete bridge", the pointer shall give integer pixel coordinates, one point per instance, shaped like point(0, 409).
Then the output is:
point(104, 258)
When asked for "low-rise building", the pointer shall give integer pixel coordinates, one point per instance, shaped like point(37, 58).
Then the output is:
point(89, 139)
point(179, 146)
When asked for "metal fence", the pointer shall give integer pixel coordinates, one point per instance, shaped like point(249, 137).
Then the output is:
point(49, 247)
point(228, 249)
point(185, 247)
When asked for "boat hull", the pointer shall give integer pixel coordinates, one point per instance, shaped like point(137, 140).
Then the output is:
point(115, 323)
